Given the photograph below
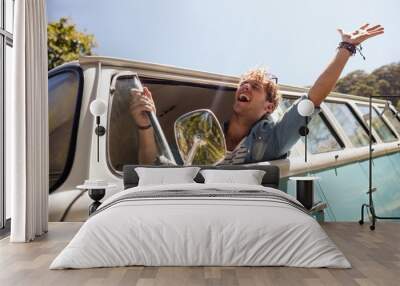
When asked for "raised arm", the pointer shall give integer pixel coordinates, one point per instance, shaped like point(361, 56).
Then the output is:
point(139, 105)
point(327, 80)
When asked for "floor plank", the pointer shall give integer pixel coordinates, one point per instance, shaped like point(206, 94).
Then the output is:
point(374, 255)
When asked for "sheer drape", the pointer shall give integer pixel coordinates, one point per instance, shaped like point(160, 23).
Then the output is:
point(27, 124)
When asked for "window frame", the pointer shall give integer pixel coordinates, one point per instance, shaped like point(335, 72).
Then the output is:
point(358, 117)
point(145, 79)
point(395, 111)
point(75, 125)
point(326, 120)
point(6, 39)
point(385, 118)
point(387, 122)
point(374, 132)
point(328, 124)
point(113, 80)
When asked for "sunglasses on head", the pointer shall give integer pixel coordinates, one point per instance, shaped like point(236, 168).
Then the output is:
point(256, 85)
point(272, 77)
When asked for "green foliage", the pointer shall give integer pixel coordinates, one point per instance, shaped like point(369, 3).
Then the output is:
point(382, 81)
point(66, 44)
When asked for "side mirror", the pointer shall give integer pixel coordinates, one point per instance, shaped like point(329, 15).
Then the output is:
point(200, 138)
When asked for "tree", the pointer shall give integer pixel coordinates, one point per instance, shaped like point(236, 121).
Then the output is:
point(382, 81)
point(66, 43)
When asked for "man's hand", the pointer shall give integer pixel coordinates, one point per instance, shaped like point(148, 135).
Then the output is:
point(327, 80)
point(139, 104)
point(361, 34)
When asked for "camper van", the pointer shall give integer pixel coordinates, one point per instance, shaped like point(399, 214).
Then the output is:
point(337, 149)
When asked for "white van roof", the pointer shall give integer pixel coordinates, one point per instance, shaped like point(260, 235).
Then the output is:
point(172, 70)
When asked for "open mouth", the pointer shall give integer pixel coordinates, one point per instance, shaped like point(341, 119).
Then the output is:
point(243, 98)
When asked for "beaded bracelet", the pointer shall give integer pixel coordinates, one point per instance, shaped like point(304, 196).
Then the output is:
point(351, 48)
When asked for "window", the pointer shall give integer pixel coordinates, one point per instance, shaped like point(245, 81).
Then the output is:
point(322, 137)
point(391, 117)
point(6, 44)
point(122, 140)
point(65, 91)
point(380, 127)
point(352, 127)
point(9, 19)
point(172, 99)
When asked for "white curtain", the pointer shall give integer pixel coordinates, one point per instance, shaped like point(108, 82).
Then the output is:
point(27, 124)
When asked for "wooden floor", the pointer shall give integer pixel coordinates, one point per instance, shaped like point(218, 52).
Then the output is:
point(375, 257)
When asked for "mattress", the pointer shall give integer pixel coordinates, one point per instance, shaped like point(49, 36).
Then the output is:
point(200, 225)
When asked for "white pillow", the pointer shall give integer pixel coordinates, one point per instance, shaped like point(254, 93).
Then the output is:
point(249, 177)
point(162, 176)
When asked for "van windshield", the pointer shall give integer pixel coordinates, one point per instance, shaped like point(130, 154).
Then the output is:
point(64, 105)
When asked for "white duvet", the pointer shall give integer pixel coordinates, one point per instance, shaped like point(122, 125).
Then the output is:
point(227, 231)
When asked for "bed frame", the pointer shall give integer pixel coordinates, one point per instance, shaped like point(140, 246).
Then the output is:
point(270, 179)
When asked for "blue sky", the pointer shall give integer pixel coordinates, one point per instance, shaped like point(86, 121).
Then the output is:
point(293, 39)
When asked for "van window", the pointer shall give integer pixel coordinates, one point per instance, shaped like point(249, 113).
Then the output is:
point(65, 91)
point(352, 127)
point(322, 138)
point(380, 127)
point(172, 99)
point(391, 117)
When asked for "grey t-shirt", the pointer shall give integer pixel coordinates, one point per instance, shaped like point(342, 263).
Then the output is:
point(269, 140)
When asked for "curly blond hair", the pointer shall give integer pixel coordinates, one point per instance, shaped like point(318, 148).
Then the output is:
point(270, 87)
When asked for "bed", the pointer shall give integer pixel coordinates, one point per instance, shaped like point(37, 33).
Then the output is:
point(201, 224)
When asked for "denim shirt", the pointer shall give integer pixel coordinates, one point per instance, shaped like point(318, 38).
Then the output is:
point(269, 140)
